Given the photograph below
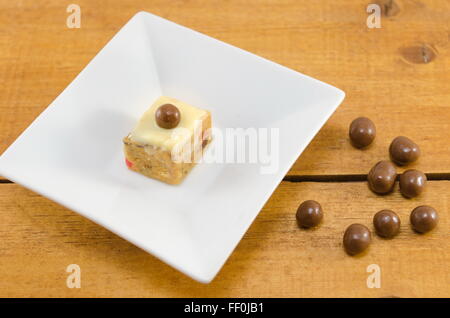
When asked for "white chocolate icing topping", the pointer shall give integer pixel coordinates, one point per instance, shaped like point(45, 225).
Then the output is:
point(147, 131)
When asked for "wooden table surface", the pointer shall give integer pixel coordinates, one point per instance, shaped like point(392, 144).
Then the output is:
point(398, 75)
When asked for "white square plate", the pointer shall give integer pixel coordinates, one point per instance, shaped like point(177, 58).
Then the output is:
point(72, 153)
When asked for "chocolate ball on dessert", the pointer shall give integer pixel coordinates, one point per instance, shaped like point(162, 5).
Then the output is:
point(167, 116)
point(357, 239)
point(381, 177)
point(386, 223)
point(362, 132)
point(412, 183)
point(424, 218)
point(309, 214)
point(403, 150)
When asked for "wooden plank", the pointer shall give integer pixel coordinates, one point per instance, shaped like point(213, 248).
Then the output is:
point(380, 69)
point(39, 239)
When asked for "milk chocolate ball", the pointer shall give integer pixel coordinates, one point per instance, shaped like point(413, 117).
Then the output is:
point(309, 214)
point(424, 218)
point(412, 183)
point(167, 116)
point(381, 177)
point(362, 132)
point(386, 223)
point(357, 239)
point(403, 151)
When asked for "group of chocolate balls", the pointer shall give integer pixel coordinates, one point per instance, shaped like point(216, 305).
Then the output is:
point(381, 180)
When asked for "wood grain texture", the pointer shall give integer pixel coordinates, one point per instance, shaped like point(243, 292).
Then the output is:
point(380, 69)
point(397, 75)
point(39, 239)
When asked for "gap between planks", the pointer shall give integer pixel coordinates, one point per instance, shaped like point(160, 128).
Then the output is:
point(329, 178)
point(354, 177)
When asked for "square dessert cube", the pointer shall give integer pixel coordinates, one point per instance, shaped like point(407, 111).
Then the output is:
point(168, 140)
